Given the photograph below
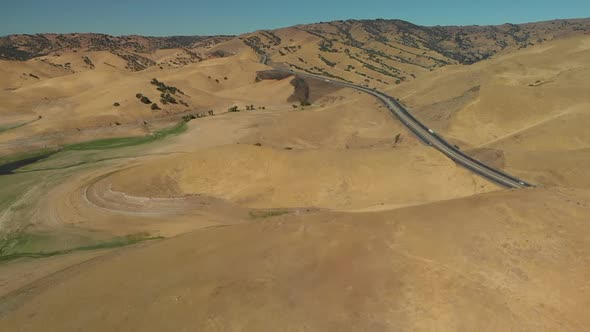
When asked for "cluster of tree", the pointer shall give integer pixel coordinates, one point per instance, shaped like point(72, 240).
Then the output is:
point(166, 98)
point(143, 98)
point(303, 103)
point(165, 88)
point(189, 117)
point(250, 107)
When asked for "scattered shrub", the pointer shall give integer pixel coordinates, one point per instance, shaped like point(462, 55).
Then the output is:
point(167, 98)
point(155, 107)
point(116, 104)
point(189, 117)
point(145, 100)
point(233, 109)
point(88, 62)
point(165, 88)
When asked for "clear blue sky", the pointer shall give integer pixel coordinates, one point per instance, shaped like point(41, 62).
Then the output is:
point(209, 17)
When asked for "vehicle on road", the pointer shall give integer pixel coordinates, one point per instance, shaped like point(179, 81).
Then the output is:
point(428, 136)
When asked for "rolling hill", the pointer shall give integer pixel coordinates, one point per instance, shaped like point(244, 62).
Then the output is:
point(307, 207)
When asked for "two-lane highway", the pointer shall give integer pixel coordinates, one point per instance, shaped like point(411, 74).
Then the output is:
point(425, 134)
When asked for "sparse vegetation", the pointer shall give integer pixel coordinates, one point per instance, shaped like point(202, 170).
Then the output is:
point(160, 86)
point(267, 214)
point(167, 98)
point(15, 247)
point(233, 109)
point(113, 143)
point(88, 62)
point(11, 163)
point(327, 62)
point(189, 117)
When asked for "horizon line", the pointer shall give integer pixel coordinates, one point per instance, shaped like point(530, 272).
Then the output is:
point(286, 27)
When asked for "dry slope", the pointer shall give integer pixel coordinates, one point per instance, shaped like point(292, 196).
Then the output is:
point(504, 261)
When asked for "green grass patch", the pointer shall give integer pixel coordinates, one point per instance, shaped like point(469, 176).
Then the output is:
point(25, 246)
point(27, 155)
point(23, 162)
point(113, 143)
point(267, 214)
point(9, 127)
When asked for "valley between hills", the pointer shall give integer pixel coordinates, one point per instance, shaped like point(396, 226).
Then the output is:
point(179, 183)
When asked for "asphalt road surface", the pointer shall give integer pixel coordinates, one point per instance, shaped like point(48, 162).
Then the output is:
point(426, 135)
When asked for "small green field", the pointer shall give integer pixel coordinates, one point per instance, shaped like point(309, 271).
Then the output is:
point(85, 152)
point(35, 245)
point(114, 143)
point(27, 177)
point(27, 155)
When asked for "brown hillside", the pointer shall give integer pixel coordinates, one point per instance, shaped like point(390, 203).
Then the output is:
point(136, 50)
point(388, 52)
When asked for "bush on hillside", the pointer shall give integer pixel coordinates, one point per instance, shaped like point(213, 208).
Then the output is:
point(167, 98)
point(189, 117)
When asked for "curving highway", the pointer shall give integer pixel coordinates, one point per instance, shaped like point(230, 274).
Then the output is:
point(426, 135)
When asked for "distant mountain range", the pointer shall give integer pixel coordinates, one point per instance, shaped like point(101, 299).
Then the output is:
point(377, 52)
